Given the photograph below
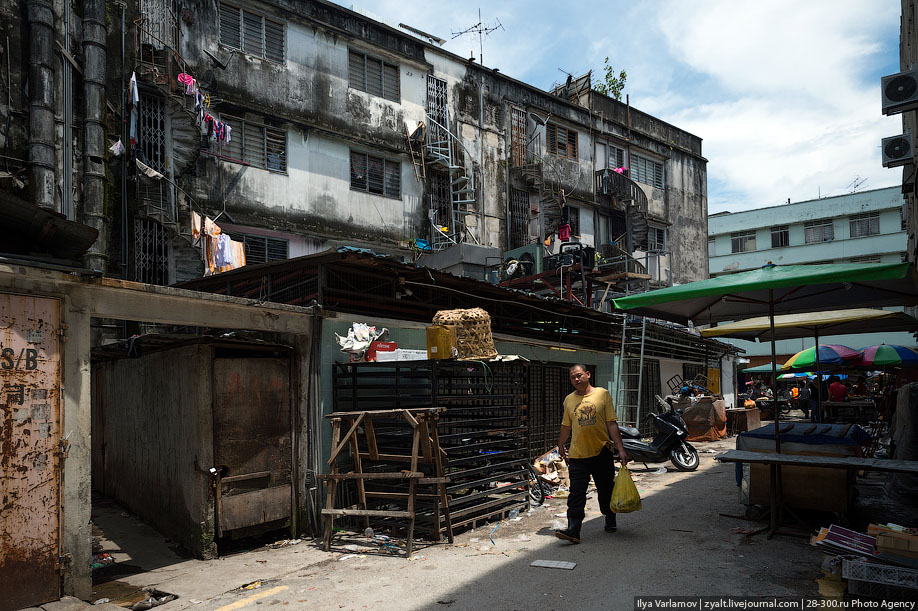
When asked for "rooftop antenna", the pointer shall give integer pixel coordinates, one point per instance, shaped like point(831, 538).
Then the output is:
point(483, 30)
point(856, 183)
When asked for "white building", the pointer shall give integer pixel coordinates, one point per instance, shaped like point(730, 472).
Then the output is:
point(865, 227)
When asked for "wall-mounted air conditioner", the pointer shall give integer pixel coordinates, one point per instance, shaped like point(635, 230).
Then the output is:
point(899, 92)
point(898, 150)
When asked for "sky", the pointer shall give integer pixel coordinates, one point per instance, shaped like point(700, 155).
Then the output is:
point(785, 94)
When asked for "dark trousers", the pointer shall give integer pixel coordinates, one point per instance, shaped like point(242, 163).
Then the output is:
point(602, 468)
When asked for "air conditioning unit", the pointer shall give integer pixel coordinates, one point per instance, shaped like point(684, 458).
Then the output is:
point(898, 150)
point(900, 92)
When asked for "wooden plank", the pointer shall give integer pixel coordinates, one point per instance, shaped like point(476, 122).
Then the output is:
point(399, 475)
point(332, 489)
point(401, 495)
point(623, 275)
point(385, 412)
point(253, 508)
point(371, 439)
point(375, 513)
point(346, 439)
point(830, 462)
point(245, 476)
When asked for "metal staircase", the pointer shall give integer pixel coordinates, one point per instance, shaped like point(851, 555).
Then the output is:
point(630, 380)
point(444, 150)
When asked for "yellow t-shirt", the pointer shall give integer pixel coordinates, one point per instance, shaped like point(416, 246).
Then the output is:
point(587, 417)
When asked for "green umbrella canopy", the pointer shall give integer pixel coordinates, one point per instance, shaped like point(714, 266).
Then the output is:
point(796, 288)
point(766, 368)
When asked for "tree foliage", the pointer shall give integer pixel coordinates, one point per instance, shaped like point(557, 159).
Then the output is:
point(612, 85)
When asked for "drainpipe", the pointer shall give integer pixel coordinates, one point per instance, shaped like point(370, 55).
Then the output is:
point(42, 166)
point(67, 140)
point(94, 56)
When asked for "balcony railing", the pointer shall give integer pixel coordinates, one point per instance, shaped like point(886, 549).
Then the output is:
point(619, 191)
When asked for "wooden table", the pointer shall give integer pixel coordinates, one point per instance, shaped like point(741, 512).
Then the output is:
point(741, 419)
point(776, 461)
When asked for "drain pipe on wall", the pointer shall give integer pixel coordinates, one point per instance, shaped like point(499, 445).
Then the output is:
point(42, 164)
point(95, 57)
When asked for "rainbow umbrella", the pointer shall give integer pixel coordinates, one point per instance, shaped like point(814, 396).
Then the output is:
point(888, 354)
point(797, 374)
point(829, 354)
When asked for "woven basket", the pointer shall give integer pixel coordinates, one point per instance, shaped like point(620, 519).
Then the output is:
point(473, 331)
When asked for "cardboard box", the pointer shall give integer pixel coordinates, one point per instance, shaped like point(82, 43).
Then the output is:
point(401, 354)
point(442, 342)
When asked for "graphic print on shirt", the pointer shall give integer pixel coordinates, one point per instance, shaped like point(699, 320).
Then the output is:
point(586, 414)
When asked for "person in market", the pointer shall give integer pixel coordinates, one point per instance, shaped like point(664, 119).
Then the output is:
point(860, 389)
point(803, 399)
point(591, 423)
point(813, 393)
point(837, 390)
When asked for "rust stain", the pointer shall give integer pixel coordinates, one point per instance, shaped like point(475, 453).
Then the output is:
point(29, 460)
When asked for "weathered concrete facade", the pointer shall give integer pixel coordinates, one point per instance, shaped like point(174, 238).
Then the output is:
point(299, 119)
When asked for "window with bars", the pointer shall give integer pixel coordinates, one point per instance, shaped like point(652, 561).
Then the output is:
point(262, 249)
point(743, 241)
point(818, 231)
point(712, 247)
point(647, 171)
point(519, 218)
point(903, 218)
point(376, 175)
point(251, 33)
point(616, 157)
point(561, 141)
point(373, 75)
point(780, 236)
point(656, 238)
point(573, 218)
point(257, 144)
point(864, 224)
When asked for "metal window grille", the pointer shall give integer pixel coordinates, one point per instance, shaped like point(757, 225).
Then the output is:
point(651, 385)
point(712, 247)
point(574, 220)
point(252, 33)
point(743, 241)
point(262, 249)
point(376, 175)
point(647, 171)
point(780, 236)
point(517, 136)
point(519, 218)
point(864, 224)
point(656, 238)
point(256, 144)
point(561, 141)
point(159, 23)
point(818, 231)
point(437, 99)
point(151, 252)
point(440, 205)
point(373, 75)
point(155, 197)
point(616, 157)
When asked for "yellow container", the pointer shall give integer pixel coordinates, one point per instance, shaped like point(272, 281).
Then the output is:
point(441, 342)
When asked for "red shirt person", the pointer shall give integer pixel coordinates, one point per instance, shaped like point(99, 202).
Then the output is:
point(838, 391)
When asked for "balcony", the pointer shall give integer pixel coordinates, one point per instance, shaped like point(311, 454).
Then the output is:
point(619, 192)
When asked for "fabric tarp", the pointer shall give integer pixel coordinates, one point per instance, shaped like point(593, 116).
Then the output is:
point(833, 322)
point(706, 418)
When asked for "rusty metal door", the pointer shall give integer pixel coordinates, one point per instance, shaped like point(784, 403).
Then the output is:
point(252, 442)
point(29, 450)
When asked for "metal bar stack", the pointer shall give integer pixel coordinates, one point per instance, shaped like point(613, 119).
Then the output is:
point(483, 430)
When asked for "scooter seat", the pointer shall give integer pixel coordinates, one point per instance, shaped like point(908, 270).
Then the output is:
point(629, 431)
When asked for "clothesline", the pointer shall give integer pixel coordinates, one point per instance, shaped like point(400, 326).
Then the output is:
point(221, 253)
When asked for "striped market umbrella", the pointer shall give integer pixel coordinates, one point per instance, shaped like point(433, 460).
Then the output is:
point(885, 355)
point(829, 354)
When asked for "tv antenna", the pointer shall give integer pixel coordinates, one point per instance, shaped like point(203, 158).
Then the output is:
point(483, 30)
point(856, 183)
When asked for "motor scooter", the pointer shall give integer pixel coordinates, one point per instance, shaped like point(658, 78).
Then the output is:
point(669, 443)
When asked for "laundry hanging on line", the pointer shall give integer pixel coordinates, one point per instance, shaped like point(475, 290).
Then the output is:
point(221, 253)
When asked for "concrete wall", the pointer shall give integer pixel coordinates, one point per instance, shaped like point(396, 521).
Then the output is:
point(157, 441)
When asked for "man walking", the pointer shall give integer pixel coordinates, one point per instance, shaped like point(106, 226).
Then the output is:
point(590, 416)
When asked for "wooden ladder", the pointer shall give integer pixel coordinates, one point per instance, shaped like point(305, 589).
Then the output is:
point(425, 448)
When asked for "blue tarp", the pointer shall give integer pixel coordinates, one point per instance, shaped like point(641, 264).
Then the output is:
point(823, 434)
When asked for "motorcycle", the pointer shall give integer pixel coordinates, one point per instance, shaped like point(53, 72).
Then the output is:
point(669, 442)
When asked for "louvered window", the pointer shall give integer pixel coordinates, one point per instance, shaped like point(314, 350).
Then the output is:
point(256, 144)
point(647, 171)
point(252, 33)
point(616, 157)
point(373, 75)
point(561, 141)
point(656, 238)
point(261, 249)
point(375, 175)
